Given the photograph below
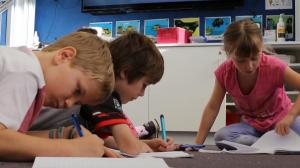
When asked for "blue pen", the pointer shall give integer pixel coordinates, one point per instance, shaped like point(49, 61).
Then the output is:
point(163, 127)
point(76, 124)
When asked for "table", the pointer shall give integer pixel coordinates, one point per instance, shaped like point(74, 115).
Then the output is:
point(210, 160)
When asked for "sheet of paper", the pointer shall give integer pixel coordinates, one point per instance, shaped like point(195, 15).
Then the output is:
point(269, 143)
point(171, 154)
point(84, 162)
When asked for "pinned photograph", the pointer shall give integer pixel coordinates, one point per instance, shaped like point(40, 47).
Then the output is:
point(272, 20)
point(190, 24)
point(123, 27)
point(278, 4)
point(215, 27)
point(152, 25)
point(258, 19)
point(103, 28)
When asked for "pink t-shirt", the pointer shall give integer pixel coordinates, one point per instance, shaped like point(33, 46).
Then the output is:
point(267, 103)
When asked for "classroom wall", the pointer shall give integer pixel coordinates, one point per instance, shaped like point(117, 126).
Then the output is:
point(297, 18)
point(3, 27)
point(55, 18)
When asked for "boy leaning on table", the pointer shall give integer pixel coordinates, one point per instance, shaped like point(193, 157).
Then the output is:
point(76, 69)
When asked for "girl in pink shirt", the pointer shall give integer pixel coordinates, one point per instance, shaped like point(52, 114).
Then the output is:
point(255, 81)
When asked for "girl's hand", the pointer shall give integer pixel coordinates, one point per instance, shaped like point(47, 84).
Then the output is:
point(159, 145)
point(283, 126)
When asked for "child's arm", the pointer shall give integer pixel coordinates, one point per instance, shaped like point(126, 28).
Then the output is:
point(15, 146)
point(292, 78)
point(110, 142)
point(210, 112)
point(126, 141)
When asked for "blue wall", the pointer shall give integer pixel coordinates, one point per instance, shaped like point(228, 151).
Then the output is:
point(3, 27)
point(55, 18)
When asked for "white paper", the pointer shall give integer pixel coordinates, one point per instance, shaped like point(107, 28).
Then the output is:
point(269, 143)
point(87, 162)
point(171, 154)
point(278, 4)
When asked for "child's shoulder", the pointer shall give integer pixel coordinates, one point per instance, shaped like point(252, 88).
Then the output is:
point(272, 60)
point(225, 66)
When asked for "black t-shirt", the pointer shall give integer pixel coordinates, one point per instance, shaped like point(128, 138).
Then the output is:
point(99, 118)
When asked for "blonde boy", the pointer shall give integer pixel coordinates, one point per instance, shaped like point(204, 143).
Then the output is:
point(76, 69)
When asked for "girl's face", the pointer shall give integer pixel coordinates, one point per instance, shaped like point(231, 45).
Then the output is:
point(246, 66)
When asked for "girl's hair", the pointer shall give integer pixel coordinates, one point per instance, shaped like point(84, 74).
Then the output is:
point(243, 39)
point(92, 57)
point(138, 57)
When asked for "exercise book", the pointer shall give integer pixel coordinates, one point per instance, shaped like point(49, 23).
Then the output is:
point(269, 143)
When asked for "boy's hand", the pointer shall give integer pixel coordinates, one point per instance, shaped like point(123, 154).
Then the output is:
point(283, 126)
point(145, 147)
point(72, 132)
point(110, 153)
point(88, 145)
point(159, 145)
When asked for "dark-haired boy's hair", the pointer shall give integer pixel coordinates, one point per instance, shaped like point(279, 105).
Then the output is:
point(138, 57)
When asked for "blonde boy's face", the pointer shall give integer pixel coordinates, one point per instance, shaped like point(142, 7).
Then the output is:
point(129, 92)
point(67, 86)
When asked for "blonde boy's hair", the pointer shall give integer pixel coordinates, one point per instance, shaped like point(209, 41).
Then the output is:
point(92, 57)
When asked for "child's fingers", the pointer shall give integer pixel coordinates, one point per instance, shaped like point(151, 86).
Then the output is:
point(170, 140)
point(286, 130)
point(110, 153)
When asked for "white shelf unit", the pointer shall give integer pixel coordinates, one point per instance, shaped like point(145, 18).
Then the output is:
point(184, 90)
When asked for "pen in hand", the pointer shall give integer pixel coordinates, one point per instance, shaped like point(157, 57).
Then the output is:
point(76, 124)
point(163, 127)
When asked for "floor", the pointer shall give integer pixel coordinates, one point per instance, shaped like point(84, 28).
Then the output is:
point(189, 137)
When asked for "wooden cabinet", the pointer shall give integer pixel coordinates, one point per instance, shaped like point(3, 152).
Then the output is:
point(184, 90)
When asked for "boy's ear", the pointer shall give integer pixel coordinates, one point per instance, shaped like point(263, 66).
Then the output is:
point(123, 74)
point(65, 54)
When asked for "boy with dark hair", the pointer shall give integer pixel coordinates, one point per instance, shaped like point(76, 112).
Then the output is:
point(137, 64)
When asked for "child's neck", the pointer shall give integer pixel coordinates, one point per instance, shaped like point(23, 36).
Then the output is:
point(247, 82)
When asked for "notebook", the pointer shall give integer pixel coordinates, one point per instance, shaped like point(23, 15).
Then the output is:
point(269, 143)
point(84, 162)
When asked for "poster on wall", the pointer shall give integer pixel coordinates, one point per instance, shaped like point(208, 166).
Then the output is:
point(103, 28)
point(272, 20)
point(122, 27)
point(190, 24)
point(278, 4)
point(258, 19)
point(216, 26)
point(152, 25)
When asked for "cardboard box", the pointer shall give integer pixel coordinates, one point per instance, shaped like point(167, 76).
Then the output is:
point(173, 35)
